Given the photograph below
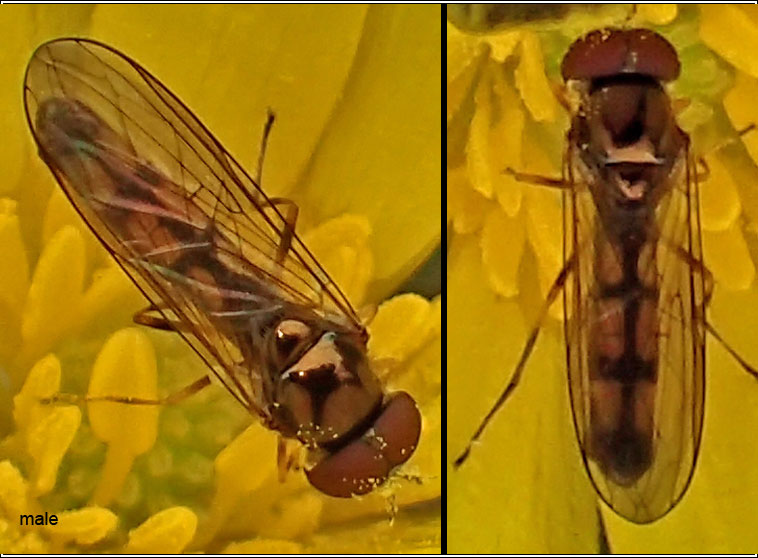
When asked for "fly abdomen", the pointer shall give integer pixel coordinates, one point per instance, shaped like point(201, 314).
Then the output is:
point(623, 358)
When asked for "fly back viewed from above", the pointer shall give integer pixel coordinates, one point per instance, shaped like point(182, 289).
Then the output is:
point(635, 288)
point(219, 261)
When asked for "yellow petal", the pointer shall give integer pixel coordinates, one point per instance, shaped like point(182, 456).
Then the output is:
point(503, 44)
point(341, 245)
point(299, 70)
point(17, 25)
point(387, 167)
point(426, 461)
point(726, 29)
point(742, 110)
point(726, 254)
point(695, 114)
point(60, 213)
point(657, 14)
point(719, 200)
point(55, 290)
point(400, 326)
point(466, 208)
point(458, 90)
point(532, 81)
point(48, 442)
point(478, 150)
point(167, 532)
point(241, 467)
point(485, 336)
point(14, 282)
point(293, 518)
point(42, 381)
point(15, 542)
point(405, 345)
point(506, 145)
point(236, 471)
point(502, 245)
point(125, 367)
point(14, 497)
point(427, 362)
point(462, 53)
point(111, 294)
point(545, 228)
point(84, 526)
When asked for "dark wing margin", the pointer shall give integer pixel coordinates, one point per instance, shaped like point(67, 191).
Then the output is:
point(677, 396)
point(157, 134)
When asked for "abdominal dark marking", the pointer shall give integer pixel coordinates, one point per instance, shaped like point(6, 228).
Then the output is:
point(623, 357)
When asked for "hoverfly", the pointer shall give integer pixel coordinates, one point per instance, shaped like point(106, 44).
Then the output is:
point(634, 285)
point(219, 261)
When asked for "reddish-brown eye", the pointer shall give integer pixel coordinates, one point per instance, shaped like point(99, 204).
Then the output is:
point(399, 427)
point(607, 52)
point(356, 469)
point(362, 465)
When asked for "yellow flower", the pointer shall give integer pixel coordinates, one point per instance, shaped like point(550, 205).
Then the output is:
point(524, 488)
point(355, 144)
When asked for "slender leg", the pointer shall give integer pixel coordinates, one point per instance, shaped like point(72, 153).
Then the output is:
point(539, 180)
point(290, 219)
point(742, 362)
point(290, 215)
point(706, 172)
point(287, 457)
point(699, 266)
point(171, 399)
point(555, 289)
point(270, 116)
point(696, 264)
point(150, 317)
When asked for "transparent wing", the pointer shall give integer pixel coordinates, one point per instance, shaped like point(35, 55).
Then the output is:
point(639, 434)
point(185, 221)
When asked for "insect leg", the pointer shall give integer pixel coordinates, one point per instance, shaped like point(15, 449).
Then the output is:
point(700, 267)
point(552, 294)
point(696, 264)
point(151, 317)
point(539, 180)
point(270, 116)
point(287, 457)
point(290, 218)
point(706, 171)
point(290, 214)
point(742, 362)
point(170, 399)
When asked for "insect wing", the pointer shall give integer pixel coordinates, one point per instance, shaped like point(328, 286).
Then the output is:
point(639, 438)
point(184, 220)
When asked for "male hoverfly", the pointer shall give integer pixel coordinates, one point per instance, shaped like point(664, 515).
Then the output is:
point(219, 261)
point(634, 285)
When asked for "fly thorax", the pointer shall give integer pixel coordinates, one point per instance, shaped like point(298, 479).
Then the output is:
point(627, 108)
point(629, 136)
point(326, 392)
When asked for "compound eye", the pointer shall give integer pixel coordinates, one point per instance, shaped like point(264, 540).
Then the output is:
point(607, 52)
point(362, 465)
point(288, 336)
